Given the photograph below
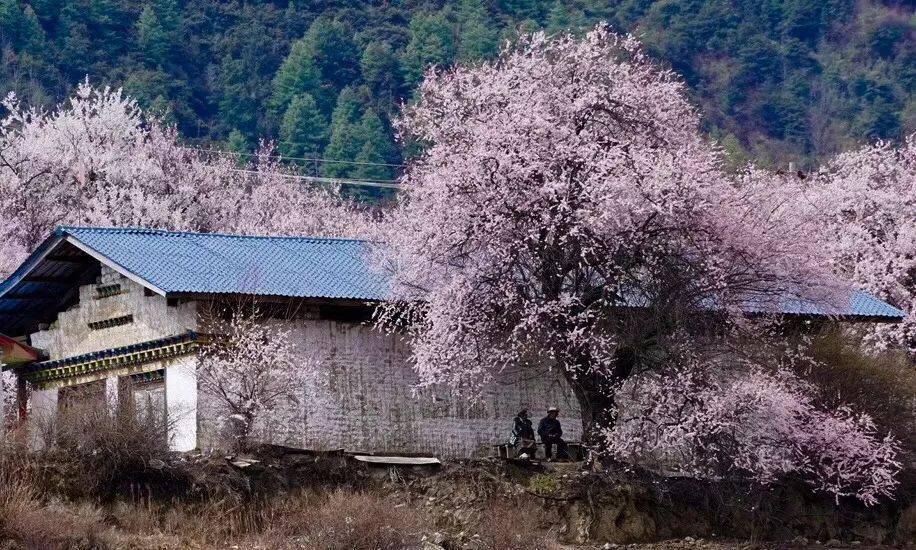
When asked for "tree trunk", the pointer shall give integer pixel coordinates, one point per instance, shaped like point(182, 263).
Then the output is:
point(596, 394)
point(596, 406)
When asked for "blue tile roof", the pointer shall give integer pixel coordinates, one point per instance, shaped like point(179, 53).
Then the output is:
point(210, 263)
point(175, 263)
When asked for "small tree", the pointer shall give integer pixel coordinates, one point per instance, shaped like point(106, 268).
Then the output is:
point(248, 368)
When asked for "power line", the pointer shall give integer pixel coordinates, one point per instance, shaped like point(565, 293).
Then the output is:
point(308, 159)
point(332, 181)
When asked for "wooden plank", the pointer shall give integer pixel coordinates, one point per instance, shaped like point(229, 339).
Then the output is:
point(399, 460)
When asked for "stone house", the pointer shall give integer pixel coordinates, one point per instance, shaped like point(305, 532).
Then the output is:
point(119, 313)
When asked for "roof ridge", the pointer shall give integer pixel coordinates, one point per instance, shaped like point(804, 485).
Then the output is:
point(153, 231)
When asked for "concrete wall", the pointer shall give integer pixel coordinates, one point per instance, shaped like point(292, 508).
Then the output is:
point(72, 335)
point(363, 400)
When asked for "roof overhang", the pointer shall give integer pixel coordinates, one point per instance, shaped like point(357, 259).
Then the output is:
point(48, 282)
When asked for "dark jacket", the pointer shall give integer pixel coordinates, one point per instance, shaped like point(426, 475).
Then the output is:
point(549, 428)
point(522, 428)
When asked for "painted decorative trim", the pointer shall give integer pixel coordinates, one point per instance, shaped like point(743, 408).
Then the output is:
point(105, 291)
point(113, 322)
point(125, 360)
point(148, 377)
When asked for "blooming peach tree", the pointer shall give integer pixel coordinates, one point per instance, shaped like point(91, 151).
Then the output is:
point(756, 422)
point(97, 160)
point(567, 211)
point(868, 200)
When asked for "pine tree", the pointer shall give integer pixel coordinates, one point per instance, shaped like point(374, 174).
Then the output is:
point(19, 27)
point(297, 75)
point(32, 36)
point(478, 38)
point(431, 43)
point(382, 74)
point(158, 31)
point(335, 53)
point(237, 142)
point(524, 9)
point(303, 132)
point(346, 135)
point(377, 150)
point(563, 19)
point(237, 107)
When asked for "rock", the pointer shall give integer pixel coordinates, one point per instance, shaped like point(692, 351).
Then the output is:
point(689, 540)
point(608, 546)
point(156, 464)
point(833, 543)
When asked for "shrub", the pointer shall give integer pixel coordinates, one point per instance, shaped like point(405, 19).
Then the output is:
point(543, 484)
point(92, 449)
point(880, 384)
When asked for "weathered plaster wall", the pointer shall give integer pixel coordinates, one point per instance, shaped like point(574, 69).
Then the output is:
point(363, 400)
point(8, 405)
point(152, 318)
point(42, 411)
point(77, 331)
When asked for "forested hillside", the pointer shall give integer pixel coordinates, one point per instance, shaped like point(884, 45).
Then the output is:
point(777, 80)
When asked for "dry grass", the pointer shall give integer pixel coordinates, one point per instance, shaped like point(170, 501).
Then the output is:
point(26, 518)
point(343, 520)
point(513, 525)
point(339, 520)
point(61, 497)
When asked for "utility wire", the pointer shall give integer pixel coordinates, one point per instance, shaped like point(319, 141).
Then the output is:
point(309, 159)
point(317, 179)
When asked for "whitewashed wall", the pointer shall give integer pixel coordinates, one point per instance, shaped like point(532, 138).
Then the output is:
point(181, 403)
point(152, 318)
point(365, 401)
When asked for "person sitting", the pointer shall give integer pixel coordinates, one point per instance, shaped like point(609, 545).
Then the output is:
point(522, 438)
point(551, 433)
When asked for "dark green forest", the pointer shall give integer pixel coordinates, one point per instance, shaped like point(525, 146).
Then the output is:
point(777, 80)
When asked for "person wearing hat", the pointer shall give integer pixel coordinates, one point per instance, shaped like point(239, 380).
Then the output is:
point(523, 436)
point(552, 434)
